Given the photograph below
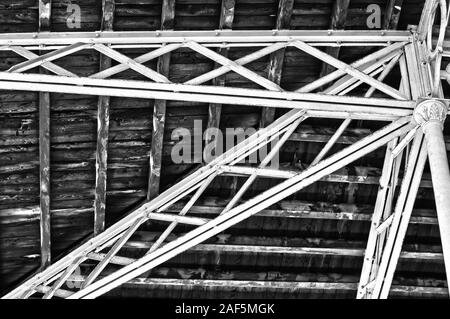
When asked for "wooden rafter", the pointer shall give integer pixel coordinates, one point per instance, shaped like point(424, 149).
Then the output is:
point(285, 9)
point(101, 157)
point(293, 287)
point(338, 17)
point(159, 108)
point(392, 14)
point(44, 150)
point(226, 22)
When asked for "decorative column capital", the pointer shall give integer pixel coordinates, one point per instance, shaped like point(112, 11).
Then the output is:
point(429, 111)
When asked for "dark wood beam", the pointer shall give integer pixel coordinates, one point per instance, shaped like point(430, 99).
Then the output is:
point(159, 108)
point(285, 9)
point(273, 277)
point(337, 249)
point(290, 287)
point(287, 288)
point(101, 157)
point(338, 17)
point(44, 150)
point(215, 109)
point(392, 14)
point(226, 22)
point(212, 206)
point(310, 210)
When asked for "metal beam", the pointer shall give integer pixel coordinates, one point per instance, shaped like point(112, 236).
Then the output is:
point(220, 223)
point(243, 211)
point(389, 228)
point(232, 38)
point(380, 108)
point(164, 200)
point(431, 114)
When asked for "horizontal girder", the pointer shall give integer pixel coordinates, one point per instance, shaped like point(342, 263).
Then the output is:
point(333, 106)
point(208, 38)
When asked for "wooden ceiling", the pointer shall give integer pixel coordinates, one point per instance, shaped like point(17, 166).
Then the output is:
point(310, 245)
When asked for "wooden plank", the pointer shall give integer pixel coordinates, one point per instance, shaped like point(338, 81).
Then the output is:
point(226, 22)
point(392, 14)
point(44, 151)
point(193, 272)
point(159, 108)
point(222, 287)
point(307, 210)
point(285, 9)
point(290, 251)
point(213, 206)
point(338, 17)
point(101, 156)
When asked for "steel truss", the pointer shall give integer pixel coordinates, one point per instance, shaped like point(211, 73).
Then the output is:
point(421, 81)
point(159, 87)
point(403, 107)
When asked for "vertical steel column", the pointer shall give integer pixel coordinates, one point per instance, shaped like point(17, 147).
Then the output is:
point(430, 114)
